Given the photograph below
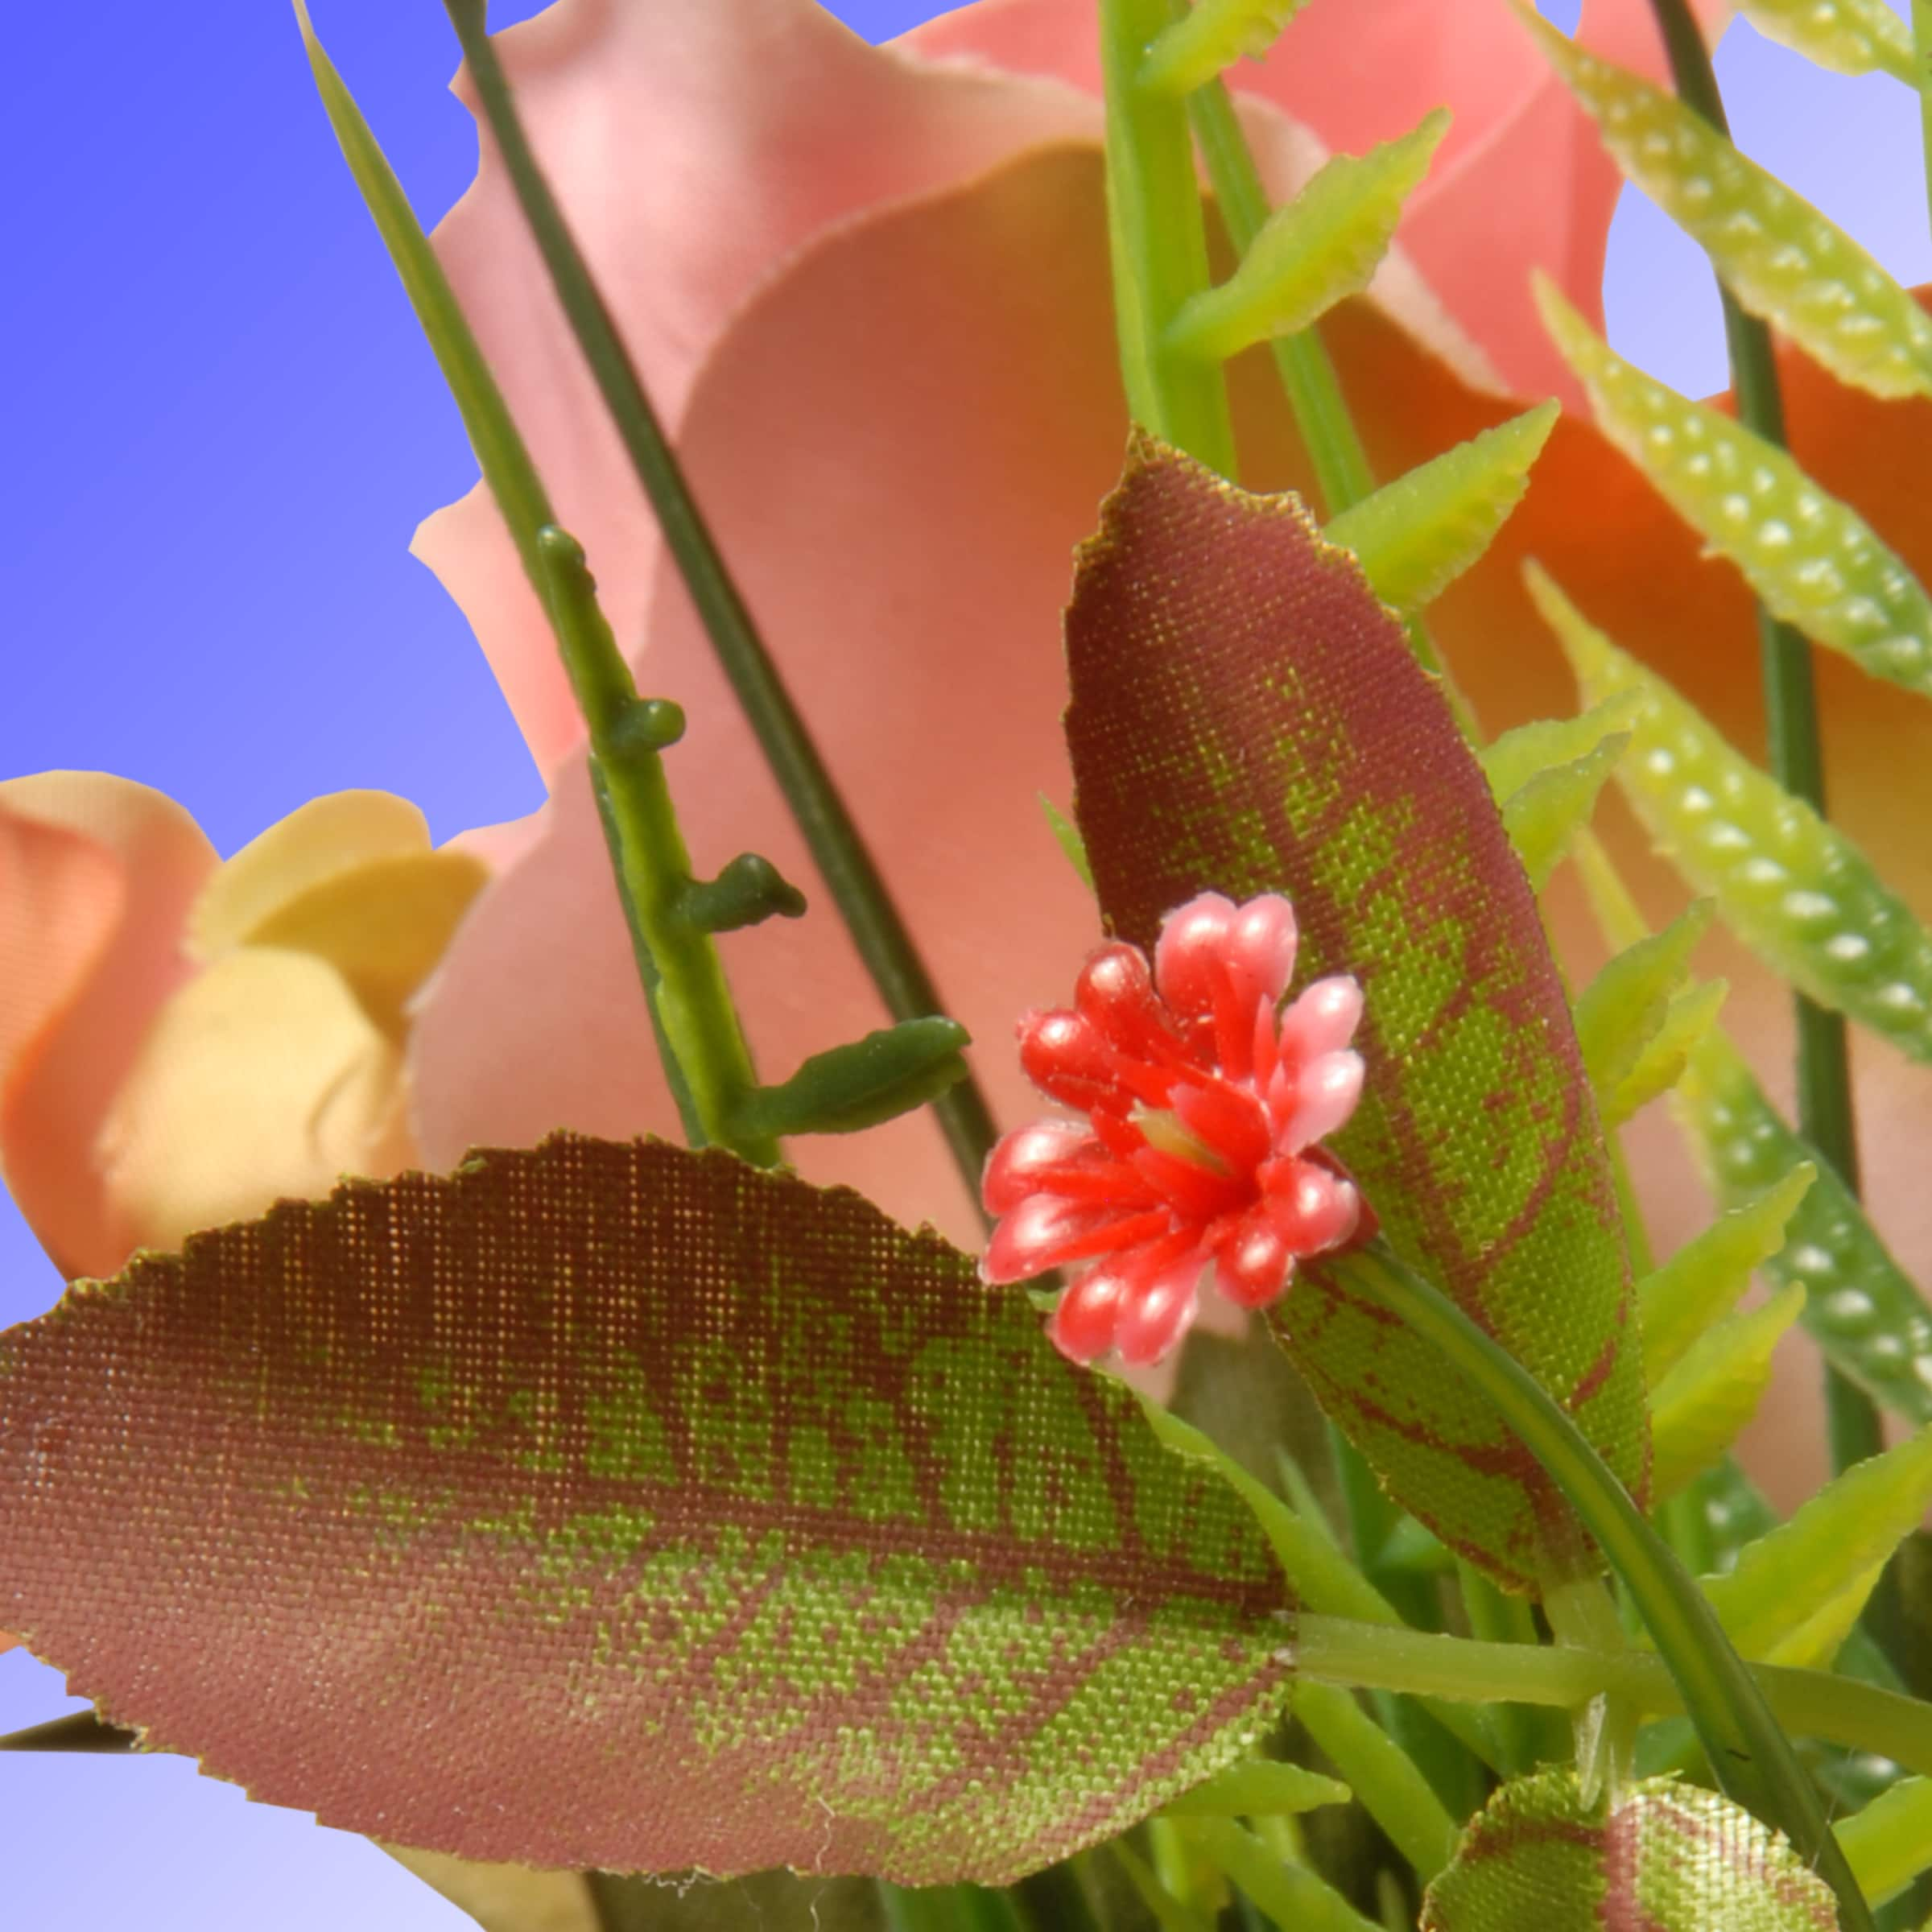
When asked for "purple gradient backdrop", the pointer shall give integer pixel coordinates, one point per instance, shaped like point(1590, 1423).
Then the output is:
point(222, 428)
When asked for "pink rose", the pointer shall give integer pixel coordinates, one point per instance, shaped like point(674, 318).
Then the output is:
point(867, 288)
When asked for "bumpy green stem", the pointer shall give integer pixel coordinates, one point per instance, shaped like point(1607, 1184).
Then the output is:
point(1797, 752)
point(834, 840)
point(1749, 1753)
point(1314, 394)
point(1159, 243)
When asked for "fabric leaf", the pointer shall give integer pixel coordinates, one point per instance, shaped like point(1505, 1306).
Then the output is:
point(1847, 36)
point(1666, 1857)
point(1823, 1561)
point(1211, 35)
point(1702, 1281)
point(1791, 886)
point(1777, 254)
point(1812, 560)
point(1698, 1409)
point(707, 1519)
point(1415, 536)
point(1324, 244)
point(1247, 718)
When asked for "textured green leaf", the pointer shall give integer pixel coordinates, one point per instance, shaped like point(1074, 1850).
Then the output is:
point(1777, 254)
point(1791, 886)
point(1796, 1590)
point(1889, 1843)
point(1812, 560)
point(1323, 246)
point(1257, 1786)
point(1698, 1408)
point(1666, 1857)
point(1511, 760)
point(1415, 536)
point(1247, 717)
point(1619, 1014)
point(1702, 1281)
point(1847, 36)
point(1862, 1309)
point(1211, 35)
point(1544, 815)
point(705, 1518)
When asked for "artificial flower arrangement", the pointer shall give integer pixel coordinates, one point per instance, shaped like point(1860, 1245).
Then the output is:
point(1277, 1483)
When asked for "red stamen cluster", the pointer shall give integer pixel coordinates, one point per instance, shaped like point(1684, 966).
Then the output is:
point(1204, 1101)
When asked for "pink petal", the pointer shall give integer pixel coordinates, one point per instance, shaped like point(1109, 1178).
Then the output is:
point(1020, 1164)
point(1187, 955)
point(1313, 1209)
point(1326, 1092)
point(1261, 946)
point(1322, 1017)
point(55, 1097)
point(696, 144)
point(1084, 1320)
point(1155, 1316)
point(1521, 179)
point(872, 446)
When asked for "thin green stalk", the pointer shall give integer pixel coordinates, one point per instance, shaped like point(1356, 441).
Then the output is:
point(1383, 1777)
point(1752, 1759)
point(691, 999)
point(500, 452)
point(1158, 235)
point(1797, 752)
point(1315, 392)
point(834, 840)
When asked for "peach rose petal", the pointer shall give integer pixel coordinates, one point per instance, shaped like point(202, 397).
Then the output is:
point(60, 898)
point(697, 144)
point(1521, 179)
point(52, 1110)
point(263, 1077)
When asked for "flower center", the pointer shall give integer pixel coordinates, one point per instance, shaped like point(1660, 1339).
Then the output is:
point(1171, 1135)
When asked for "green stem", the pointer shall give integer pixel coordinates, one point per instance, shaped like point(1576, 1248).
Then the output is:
point(1314, 394)
point(1388, 1781)
point(691, 999)
point(1750, 1755)
point(500, 449)
point(1797, 752)
point(1159, 243)
point(833, 840)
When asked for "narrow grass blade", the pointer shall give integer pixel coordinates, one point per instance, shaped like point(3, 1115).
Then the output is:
point(1889, 1843)
point(1791, 886)
point(1256, 1786)
point(1698, 1408)
point(1812, 560)
point(1796, 1590)
point(1702, 1281)
point(1415, 536)
point(1323, 246)
point(1211, 35)
point(1780, 257)
point(1297, 1899)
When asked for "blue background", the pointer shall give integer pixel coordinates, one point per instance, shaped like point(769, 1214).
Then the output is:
point(222, 428)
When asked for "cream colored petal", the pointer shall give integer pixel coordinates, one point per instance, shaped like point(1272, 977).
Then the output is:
point(54, 1099)
point(317, 842)
point(262, 1078)
point(505, 1898)
point(383, 926)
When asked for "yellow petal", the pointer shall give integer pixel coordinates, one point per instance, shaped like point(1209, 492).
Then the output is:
point(260, 1078)
point(383, 926)
point(316, 842)
point(505, 1898)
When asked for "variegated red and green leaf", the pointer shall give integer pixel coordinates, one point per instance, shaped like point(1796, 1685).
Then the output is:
point(614, 1506)
point(1247, 718)
point(1666, 1857)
